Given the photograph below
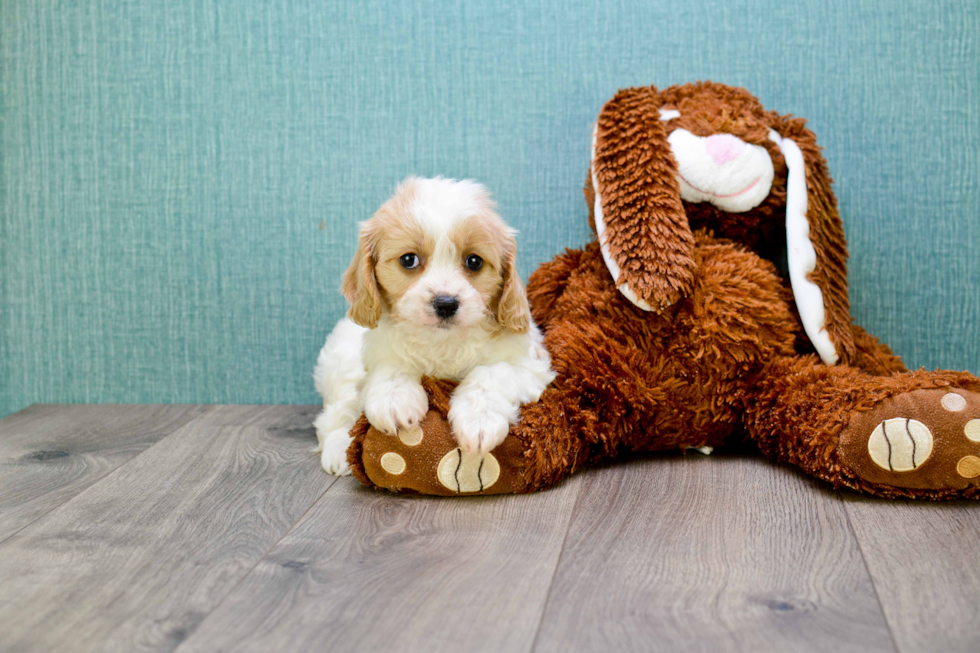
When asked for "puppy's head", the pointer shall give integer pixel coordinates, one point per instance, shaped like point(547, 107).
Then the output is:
point(436, 254)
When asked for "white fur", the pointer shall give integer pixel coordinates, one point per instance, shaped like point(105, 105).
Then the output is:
point(378, 371)
point(736, 185)
point(338, 377)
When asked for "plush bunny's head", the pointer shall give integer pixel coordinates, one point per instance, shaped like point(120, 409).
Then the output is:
point(708, 155)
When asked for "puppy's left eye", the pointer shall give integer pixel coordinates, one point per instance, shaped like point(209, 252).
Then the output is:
point(409, 261)
point(474, 262)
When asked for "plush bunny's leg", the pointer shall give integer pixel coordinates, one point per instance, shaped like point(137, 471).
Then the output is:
point(909, 434)
point(873, 356)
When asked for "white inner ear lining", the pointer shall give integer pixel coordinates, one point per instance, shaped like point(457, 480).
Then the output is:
point(801, 255)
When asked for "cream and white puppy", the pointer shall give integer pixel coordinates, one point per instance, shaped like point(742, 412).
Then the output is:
point(433, 291)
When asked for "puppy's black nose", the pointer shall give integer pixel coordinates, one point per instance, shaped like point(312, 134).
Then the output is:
point(445, 306)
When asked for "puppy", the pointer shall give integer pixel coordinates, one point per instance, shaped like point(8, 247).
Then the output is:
point(433, 291)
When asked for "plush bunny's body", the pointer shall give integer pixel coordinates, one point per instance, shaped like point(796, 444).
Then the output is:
point(673, 329)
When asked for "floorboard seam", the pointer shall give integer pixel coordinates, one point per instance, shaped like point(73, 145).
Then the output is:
point(257, 563)
point(40, 517)
point(561, 553)
point(864, 561)
point(114, 470)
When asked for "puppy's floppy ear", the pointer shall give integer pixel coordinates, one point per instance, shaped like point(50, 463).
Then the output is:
point(360, 285)
point(636, 202)
point(815, 243)
point(513, 311)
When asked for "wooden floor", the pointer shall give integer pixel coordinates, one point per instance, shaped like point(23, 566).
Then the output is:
point(193, 528)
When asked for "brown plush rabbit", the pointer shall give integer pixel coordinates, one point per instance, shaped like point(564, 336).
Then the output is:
point(674, 329)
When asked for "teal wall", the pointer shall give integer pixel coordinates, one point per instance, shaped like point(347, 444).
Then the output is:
point(180, 180)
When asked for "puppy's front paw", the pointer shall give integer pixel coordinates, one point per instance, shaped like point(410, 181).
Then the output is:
point(478, 423)
point(333, 457)
point(395, 404)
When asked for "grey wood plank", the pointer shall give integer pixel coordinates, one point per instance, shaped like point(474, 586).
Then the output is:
point(137, 560)
point(924, 559)
point(50, 453)
point(721, 553)
point(371, 571)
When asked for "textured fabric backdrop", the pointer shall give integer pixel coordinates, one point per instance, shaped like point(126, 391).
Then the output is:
point(181, 179)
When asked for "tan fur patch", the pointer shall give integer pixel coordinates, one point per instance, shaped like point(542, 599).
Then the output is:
point(375, 273)
point(359, 284)
point(497, 281)
point(401, 235)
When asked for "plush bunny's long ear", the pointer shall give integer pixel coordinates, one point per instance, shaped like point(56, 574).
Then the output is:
point(815, 246)
point(639, 218)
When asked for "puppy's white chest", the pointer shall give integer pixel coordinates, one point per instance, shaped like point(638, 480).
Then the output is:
point(427, 354)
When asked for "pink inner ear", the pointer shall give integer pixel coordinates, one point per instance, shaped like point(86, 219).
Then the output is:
point(723, 147)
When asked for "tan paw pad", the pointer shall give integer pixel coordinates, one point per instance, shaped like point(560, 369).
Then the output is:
point(953, 402)
point(968, 467)
point(468, 472)
point(393, 463)
point(972, 430)
point(900, 444)
point(411, 436)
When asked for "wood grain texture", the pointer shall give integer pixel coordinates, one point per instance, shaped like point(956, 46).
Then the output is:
point(710, 554)
point(924, 560)
point(136, 561)
point(222, 536)
point(370, 571)
point(48, 454)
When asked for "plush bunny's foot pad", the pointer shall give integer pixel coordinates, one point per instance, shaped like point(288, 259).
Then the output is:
point(925, 439)
point(426, 460)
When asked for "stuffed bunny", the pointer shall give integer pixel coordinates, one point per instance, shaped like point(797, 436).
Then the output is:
point(676, 329)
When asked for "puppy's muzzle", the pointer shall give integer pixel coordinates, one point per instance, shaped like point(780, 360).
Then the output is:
point(445, 306)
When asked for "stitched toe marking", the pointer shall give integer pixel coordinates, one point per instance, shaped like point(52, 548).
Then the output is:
point(900, 444)
point(468, 472)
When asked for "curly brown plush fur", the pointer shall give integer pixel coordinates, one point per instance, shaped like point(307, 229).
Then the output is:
point(649, 226)
point(722, 355)
point(721, 364)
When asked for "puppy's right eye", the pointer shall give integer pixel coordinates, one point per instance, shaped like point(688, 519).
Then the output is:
point(409, 261)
